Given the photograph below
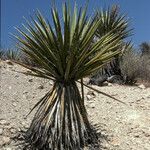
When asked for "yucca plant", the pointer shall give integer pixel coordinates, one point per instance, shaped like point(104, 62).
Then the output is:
point(64, 54)
point(112, 20)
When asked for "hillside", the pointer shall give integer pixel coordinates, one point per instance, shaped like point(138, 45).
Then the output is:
point(121, 127)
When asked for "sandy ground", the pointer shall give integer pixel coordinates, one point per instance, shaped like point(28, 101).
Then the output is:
point(121, 127)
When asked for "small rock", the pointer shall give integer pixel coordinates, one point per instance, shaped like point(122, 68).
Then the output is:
point(137, 135)
point(23, 123)
point(19, 129)
point(105, 83)
point(16, 76)
point(41, 87)
point(26, 126)
point(9, 62)
point(13, 130)
point(3, 122)
point(147, 134)
point(25, 92)
point(97, 80)
point(90, 102)
point(89, 97)
point(14, 104)
point(108, 102)
point(115, 79)
point(1, 131)
point(5, 140)
point(10, 87)
point(8, 127)
point(30, 80)
point(92, 105)
point(8, 148)
point(24, 96)
point(110, 84)
point(115, 142)
point(142, 86)
point(50, 82)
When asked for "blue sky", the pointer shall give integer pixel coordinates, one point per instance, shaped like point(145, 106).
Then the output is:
point(12, 12)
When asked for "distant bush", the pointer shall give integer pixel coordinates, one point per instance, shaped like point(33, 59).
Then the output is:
point(26, 60)
point(2, 54)
point(129, 65)
point(16, 55)
point(12, 55)
point(145, 48)
point(9, 54)
point(144, 68)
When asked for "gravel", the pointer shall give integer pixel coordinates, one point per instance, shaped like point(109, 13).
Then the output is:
point(121, 127)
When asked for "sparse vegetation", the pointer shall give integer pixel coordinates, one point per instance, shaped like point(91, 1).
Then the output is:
point(145, 49)
point(1, 53)
point(144, 65)
point(131, 66)
point(112, 20)
point(10, 54)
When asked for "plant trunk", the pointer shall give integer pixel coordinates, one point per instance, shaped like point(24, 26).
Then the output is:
point(61, 121)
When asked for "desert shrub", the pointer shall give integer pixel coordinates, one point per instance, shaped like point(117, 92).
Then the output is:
point(144, 68)
point(135, 66)
point(16, 55)
point(11, 55)
point(129, 65)
point(26, 60)
point(145, 48)
point(2, 53)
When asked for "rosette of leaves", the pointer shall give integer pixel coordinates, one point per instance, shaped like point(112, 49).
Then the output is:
point(112, 20)
point(63, 53)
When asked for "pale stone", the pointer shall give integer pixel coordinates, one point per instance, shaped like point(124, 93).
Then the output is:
point(5, 140)
point(3, 122)
point(8, 148)
point(14, 104)
point(142, 86)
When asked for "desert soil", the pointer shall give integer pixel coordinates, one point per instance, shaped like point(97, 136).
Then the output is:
point(121, 127)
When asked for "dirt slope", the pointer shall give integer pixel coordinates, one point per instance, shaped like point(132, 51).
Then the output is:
point(122, 127)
